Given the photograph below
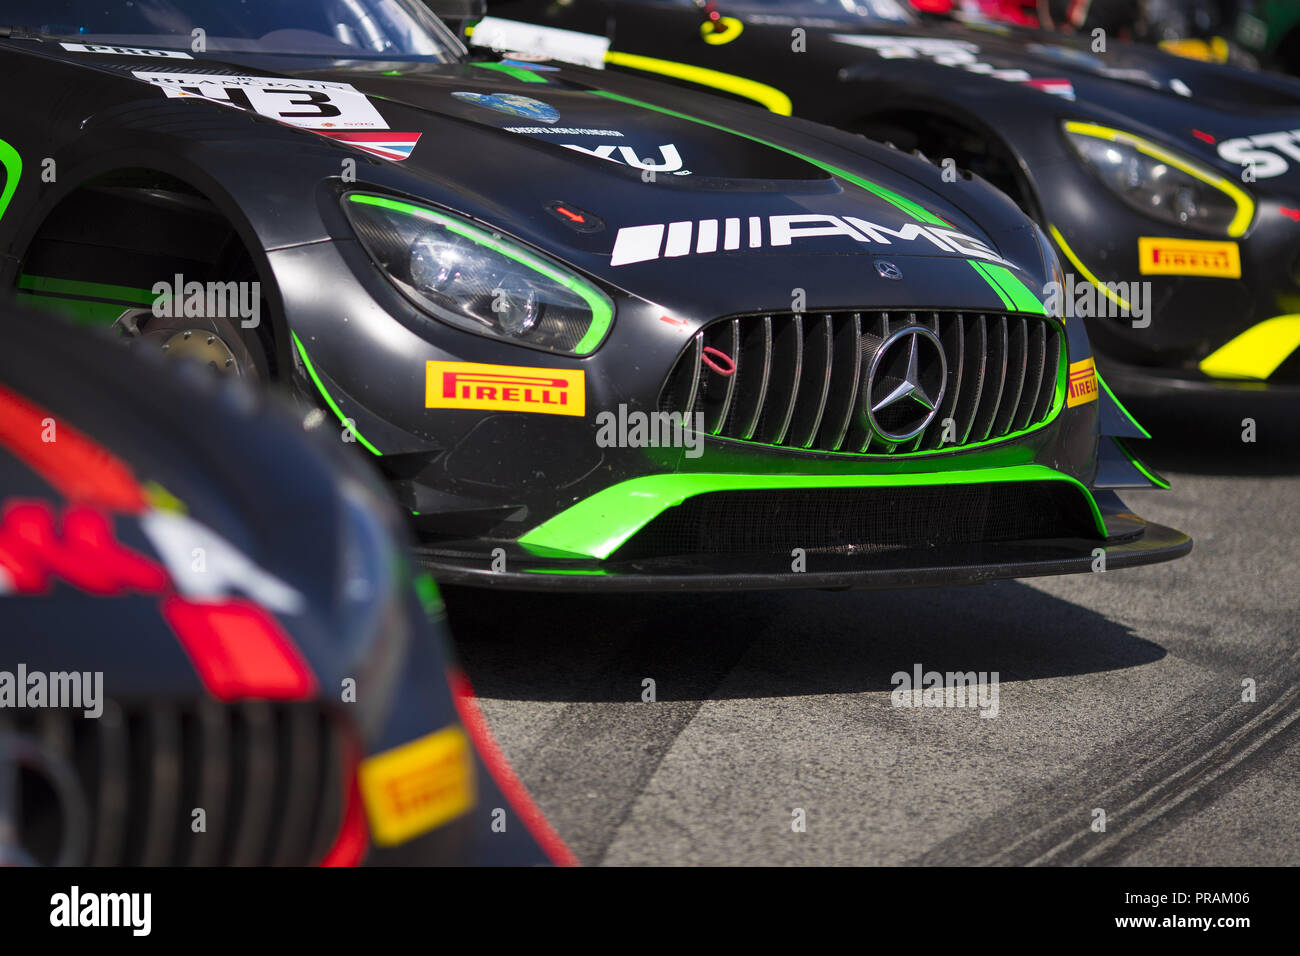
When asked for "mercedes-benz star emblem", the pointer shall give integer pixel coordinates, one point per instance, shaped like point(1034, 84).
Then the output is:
point(905, 383)
point(888, 270)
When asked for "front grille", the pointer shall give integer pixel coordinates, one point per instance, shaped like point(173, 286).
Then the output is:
point(269, 778)
point(799, 379)
point(863, 520)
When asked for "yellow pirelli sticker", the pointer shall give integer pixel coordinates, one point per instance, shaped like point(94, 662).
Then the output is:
point(1082, 387)
point(1188, 257)
point(418, 786)
point(505, 388)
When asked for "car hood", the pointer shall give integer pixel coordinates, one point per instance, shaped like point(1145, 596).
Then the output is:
point(508, 143)
point(671, 192)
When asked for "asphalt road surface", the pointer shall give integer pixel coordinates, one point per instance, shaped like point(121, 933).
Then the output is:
point(1120, 692)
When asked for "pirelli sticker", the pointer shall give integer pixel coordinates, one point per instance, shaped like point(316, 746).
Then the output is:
point(1083, 383)
point(505, 388)
point(1188, 257)
point(418, 786)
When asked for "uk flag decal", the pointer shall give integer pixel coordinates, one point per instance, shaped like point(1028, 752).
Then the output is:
point(383, 143)
point(1063, 88)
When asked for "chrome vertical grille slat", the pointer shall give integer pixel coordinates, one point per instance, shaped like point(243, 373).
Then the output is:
point(786, 344)
point(848, 359)
point(729, 343)
point(819, 358)
point(1017, 362)
point(1051, 374)
point(1036, 368)
point(751, 385)
point(997, 379)
point(798, 381)
point(256, 784)
point(953, 336)
point(162, 728)
point(975, 348)
point(212, 729)
point(110, 785)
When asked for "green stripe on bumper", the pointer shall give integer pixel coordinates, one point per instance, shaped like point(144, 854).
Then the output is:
point(597, 526)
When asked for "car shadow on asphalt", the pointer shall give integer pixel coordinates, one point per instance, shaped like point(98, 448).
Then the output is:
point(1203, 435)
point(566, 647)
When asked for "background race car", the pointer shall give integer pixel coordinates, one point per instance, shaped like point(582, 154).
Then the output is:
point(213, 648)
point(1168, 185)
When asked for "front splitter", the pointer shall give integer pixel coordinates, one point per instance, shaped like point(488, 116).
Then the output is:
point(830, 570)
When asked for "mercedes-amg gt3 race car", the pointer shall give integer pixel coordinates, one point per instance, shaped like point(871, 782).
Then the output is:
point(599, 333)
point(1171, 187)
point(213, 649)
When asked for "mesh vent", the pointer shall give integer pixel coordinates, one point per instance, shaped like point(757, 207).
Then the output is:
point(866, 520)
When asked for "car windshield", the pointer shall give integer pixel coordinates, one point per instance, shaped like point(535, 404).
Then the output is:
point(340, 29)
point(889, 11)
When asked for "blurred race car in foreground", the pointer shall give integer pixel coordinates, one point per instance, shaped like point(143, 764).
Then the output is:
point(212, 650)
point(1171, 186)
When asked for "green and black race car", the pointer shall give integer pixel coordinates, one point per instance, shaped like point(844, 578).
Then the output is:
point(773, 355)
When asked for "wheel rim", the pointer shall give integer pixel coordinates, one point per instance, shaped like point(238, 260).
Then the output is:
point(201, 345)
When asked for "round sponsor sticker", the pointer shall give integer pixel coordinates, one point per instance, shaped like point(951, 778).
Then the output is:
point(512, 104)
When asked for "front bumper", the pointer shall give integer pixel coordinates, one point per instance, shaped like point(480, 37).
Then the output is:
point(600, 544)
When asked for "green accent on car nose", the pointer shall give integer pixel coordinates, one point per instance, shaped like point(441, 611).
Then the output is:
point(1014, 293)
point(514, 72)
point(598, 526)
point(13, 165)
point(1120, 405)
point(320, 387)
point(916, 211)
point(1155, 479)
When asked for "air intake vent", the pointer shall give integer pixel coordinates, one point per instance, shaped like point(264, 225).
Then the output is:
point(269, 778)
point(863, 520)
point(800, 381)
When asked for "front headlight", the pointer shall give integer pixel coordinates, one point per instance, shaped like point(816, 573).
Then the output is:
point(478, 280)
point(1160, 183)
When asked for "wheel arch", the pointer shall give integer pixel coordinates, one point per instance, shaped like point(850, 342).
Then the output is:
point(211, 208)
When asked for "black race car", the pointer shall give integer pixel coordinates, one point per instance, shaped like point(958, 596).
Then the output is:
point(1171, 186)
point(213, 648)
point(598, 333)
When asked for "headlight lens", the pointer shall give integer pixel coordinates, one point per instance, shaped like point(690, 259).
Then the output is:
point(1160, 183)
point(478, 280)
